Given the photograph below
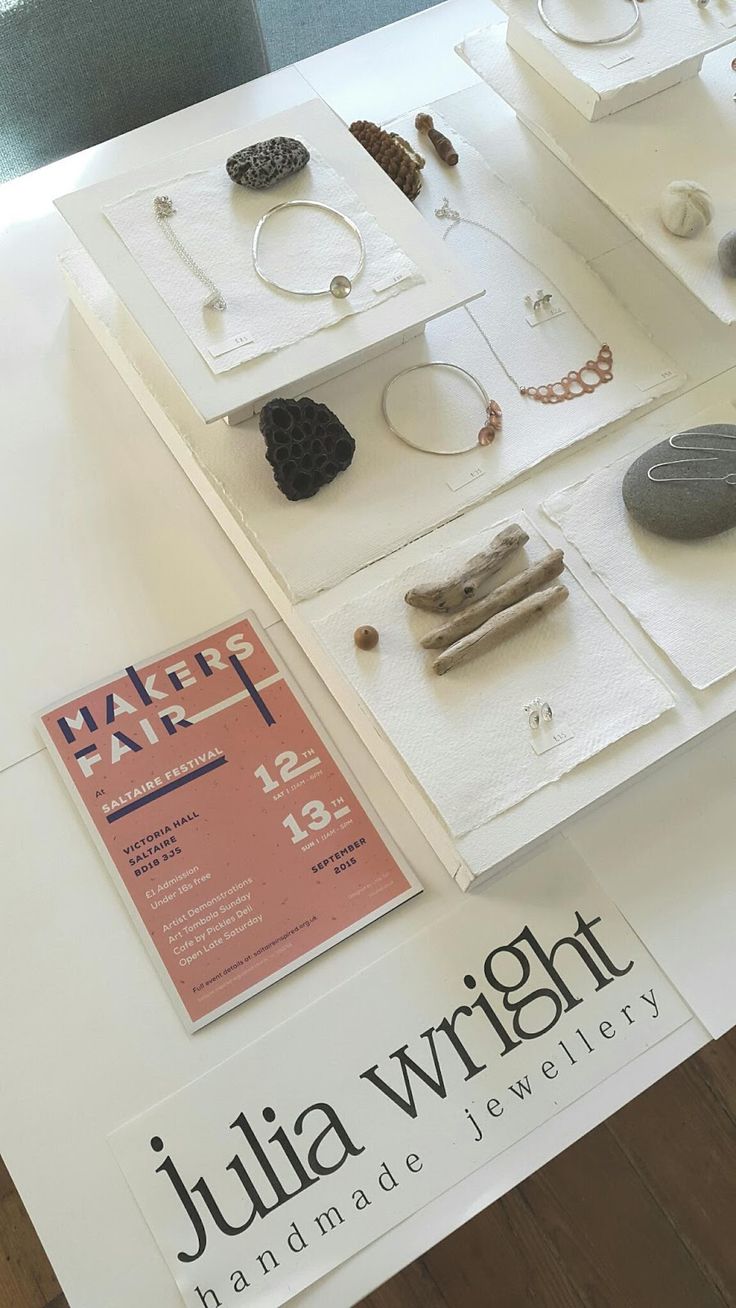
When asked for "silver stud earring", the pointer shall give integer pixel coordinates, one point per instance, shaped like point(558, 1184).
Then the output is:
point(534, 714)
point(547, 712)
point(539, 300)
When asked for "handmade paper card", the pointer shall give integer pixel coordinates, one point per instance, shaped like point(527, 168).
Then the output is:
point(465, 735)
point(281, 1163)
point(212, 226)
point(240, 843)
point(681, 591)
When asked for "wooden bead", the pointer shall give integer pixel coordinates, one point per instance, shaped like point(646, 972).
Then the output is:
point(366, 637)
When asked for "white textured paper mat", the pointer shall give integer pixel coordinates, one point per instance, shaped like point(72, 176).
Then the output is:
point(465, 735)
point(517, 255)
point(215, 220)
point(682, 592)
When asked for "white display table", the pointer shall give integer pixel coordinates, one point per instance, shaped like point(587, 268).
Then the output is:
point(109, 552)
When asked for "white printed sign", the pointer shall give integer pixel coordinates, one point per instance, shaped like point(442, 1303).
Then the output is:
point(281, 1163)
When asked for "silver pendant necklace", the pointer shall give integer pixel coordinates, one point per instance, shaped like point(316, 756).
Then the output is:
point(600, 40)
point(163, 208)
point(581, 381)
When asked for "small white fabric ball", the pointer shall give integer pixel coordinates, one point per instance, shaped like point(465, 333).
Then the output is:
point(686, 208)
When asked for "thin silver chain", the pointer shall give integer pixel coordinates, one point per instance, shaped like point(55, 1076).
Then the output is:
point(454, 219)
point(163, 208)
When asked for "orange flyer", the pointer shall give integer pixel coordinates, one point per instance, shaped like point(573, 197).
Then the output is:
point(235, 833)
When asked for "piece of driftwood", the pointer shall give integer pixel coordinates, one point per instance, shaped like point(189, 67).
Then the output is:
point(517, 588)
point(464, 585)
point(500, 627)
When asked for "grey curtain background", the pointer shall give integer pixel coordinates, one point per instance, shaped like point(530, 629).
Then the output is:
point(75, 72)
point(294, 29)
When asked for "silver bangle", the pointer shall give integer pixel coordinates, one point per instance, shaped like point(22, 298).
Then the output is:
point(163, 208)
point(485, 436)
point(341, 285)
point(603, 40)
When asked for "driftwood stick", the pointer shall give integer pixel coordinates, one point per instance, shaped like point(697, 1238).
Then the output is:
point(497, 629)
point(463, 585)
point(517, 588)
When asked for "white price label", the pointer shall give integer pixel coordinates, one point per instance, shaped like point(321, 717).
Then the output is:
point(465, 476)
point(232, 343)
point(613, 60)
point(536, 317)
point(653, 380)
point(395, 279)
point(549, 735)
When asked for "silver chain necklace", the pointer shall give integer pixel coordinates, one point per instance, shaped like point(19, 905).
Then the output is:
point(163, 208)
point(573, 384)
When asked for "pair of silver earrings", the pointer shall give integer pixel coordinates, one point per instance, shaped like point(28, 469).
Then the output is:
point(537, 712)
point(539, 300)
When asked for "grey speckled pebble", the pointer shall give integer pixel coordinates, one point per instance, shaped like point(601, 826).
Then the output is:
point(267, 162)
point(684, 511)
point(727, 254)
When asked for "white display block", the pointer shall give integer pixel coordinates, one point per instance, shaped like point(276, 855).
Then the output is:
point(241, 391)
point(209, 456)
point(666, 48)
point(628, 158)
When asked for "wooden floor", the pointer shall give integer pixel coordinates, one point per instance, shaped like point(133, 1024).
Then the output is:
point(639, 1214)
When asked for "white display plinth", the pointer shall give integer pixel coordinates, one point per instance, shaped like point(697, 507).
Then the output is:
point(240, 392)
point(666, 48)
point(628, 158)
point(198, 448)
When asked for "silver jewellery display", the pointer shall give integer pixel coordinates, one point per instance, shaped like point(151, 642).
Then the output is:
point(599, 40)
point(341, 284)
point(582, 381)
point(163, 208)
point(678, 442)
point(539, 300)
point(487, 432)
point(537, 712)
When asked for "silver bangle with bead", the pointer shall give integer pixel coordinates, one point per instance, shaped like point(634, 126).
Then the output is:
point(341, 284)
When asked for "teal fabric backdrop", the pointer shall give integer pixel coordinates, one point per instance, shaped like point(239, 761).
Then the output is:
point(75, 72)
point(294, 29)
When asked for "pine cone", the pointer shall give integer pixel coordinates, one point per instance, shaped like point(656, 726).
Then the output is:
point(394, 155)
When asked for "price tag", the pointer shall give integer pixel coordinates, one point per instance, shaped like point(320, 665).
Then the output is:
point(536, 317)
point(394, 279)
point(465, 476)
point(651, 381)
point(549, 735)
point(232, 343)
point(613, 60)
point(728, 20)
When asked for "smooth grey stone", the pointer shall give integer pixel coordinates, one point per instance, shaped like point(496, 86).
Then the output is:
point(267, 162)
point(685, 510)
point(727, 254)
